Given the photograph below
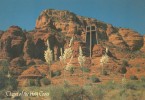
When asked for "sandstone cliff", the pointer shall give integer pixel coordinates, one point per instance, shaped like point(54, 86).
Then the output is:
point(72, 25)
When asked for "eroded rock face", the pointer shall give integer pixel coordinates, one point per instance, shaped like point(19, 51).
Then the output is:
point(12, 42)
point(110, 29)
point(143, 48)
point(34, 48)
point(29, 48)
point(57, 19)
point(98, 51)
point(19, 61)
point(118, 41)
point(127, 39)
point(132, 38)
point(70, 24)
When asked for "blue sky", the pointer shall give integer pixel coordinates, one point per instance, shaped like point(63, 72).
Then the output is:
point(120, 13)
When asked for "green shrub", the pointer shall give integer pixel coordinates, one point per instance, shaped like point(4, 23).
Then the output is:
point(142, 78)
point(6, 82)
point(138, 70)
point(76, 94)
point(100, 94)
point(2, 80)
point(56, 92)
point(13, 83)
point(131, 85)
point(71, 70)
point(66, 84)
point(4, 62)
point(85, 69)
point(46, 81)
point(123, 70)
point(56, 73)
point(4, 65)
point(133, 77)
point(111, 85)
point(72, 93)
point(94, 79)
point(43, 74)
point(37, 82)
point(104, 72)
point(2, 94)
point(124, 63)
point(31, 82)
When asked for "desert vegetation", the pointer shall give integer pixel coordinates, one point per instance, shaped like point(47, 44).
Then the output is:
point(7, 82)
point(108, 91)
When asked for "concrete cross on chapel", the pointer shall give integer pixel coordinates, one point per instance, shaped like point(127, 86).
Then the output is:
point(91, 37)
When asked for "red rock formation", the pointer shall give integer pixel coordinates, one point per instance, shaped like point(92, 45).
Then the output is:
point(58, 26)
point(118, 41)
point(70, 24)
point(110, 29)
point(132, 38)
point(98, 51)
point(143, 48)
point(29, 49)
point(12, 42)
point(35, 72)
point(19, 61)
